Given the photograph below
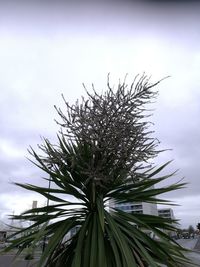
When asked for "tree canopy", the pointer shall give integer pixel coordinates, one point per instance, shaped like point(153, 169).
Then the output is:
point(102, 153)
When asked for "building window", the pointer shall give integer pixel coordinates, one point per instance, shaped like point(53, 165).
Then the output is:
point(137, 212)
point(136, 207)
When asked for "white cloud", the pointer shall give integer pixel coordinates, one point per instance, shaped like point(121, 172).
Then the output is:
point(17, 203)
point(11, 150)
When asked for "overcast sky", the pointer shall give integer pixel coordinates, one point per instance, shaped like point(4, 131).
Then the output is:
point(51, 47)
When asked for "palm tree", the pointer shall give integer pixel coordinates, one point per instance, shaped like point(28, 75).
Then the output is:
point(103, 152)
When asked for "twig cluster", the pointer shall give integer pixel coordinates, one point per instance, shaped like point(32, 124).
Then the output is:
point(112, 124)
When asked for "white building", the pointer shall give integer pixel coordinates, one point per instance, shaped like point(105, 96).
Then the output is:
point(166, 213)
point(142, 208)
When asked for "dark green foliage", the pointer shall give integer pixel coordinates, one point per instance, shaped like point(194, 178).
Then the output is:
point(102, 155)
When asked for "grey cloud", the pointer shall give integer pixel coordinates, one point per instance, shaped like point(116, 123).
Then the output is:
point(94, 17)
point(18, 170)
point(49, 48)
point(177, 127)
